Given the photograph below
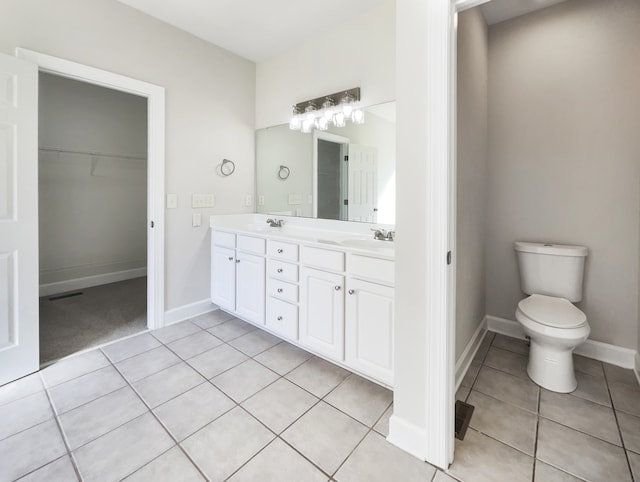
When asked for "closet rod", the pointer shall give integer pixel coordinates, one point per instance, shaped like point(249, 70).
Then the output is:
point(87, 153)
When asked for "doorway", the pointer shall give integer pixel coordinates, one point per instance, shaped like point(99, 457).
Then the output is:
point(19, 355)
point(92, 192)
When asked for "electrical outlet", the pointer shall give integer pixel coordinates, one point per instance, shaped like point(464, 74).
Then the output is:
point(309, 198)
point(203, 201)
point(261, 200)
point(172, 201)
point(196, 220)
point(248, 200)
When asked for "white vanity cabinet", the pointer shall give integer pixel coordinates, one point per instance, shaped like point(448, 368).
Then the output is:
point(369, 317)
point(282, 289)
point(238, 275)
point(336, 302)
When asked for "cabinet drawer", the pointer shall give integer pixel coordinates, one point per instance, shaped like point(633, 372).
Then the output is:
point(283, 290)
point(282, 270)
point(277, 249)
point(282, 318)
point(322, 258)
point(222, 238)
point(371, 268)
point(251, 244)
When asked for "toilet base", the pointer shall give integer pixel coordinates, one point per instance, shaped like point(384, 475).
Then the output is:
point(551, 367)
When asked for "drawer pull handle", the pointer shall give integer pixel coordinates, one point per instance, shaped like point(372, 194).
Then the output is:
point(280, 251)
point(237, 260)
point(230, 258)
point(279, 290)
point(337, 288)
point(279, 270)
point(279, 318)
point(352, 292)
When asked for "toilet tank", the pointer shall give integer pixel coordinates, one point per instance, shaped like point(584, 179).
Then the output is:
point(551, 269)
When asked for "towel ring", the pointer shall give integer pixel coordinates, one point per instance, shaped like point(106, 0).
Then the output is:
point(227, 171)
point(284, 172)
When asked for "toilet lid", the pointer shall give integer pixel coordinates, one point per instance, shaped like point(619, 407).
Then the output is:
point(551, 311)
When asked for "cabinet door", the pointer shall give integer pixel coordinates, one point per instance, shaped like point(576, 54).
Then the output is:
point(223, 277)
point(322, 312)
point(369, 329)
point(250, 287)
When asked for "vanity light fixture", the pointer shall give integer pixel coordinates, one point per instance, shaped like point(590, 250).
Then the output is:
point(307, 115)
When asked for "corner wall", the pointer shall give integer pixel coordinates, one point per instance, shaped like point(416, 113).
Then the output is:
point(472, 137)
point(210, 110)
point(564, 151)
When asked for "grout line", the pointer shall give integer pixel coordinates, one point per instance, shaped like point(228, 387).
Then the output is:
point(63, 435)
point(149, 410)
point(615, 415)
point(535, 439)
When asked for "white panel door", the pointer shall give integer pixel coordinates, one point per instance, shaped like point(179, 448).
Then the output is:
point(19, 343)
point(369, 329)
point(322, 312)
point(363, 183)
point(223, 277)
point(250, 287)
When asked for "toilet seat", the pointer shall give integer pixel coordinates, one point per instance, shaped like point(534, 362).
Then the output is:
point(552, 311)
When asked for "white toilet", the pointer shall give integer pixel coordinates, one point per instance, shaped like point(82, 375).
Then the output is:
point(552, 275)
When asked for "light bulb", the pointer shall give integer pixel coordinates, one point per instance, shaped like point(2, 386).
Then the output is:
point(295, 123)
point(347, 109)
point(339, 120)
point(358, 116)
point(322, 123)
point(307, 126)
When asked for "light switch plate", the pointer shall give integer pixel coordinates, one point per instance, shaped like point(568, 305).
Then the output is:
point(172, 201)
point(248, 200)
point(203, 201)
point(196, 220)
point(295, 199)
point(309, 198)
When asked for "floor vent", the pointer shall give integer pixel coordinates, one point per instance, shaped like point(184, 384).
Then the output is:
point(463, 417)
point(67, 295)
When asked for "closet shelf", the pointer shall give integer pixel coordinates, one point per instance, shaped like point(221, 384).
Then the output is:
point(92, 154)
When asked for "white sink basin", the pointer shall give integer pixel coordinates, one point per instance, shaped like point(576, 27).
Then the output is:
point(368, 244)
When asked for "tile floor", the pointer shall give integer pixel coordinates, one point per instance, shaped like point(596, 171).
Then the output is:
point(213, 398)
point(520, 432)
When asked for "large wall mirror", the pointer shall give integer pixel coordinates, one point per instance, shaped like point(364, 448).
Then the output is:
point(344, 173)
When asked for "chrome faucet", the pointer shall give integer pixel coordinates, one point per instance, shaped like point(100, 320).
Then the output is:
point(275, 223)
point(383, 235)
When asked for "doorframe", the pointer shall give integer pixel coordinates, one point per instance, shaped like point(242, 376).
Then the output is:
point(155, 160)
point(325, 136)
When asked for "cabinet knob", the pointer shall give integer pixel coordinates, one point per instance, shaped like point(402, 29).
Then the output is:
point(279, 290)
point(230, 258)
point(279, 318)
point(337, 288)
point(237, 260)
point(279, 270)
point(352, 292)
point(280, 251)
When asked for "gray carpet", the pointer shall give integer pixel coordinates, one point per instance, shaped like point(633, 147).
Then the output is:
point(101, 314)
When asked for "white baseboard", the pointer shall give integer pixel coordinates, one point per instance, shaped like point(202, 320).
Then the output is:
point(463, 363)
point(185, 312)
point(89, 281)
point(616, 355)
point(408, 437)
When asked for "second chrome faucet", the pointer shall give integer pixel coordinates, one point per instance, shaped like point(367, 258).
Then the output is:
point(383, 235)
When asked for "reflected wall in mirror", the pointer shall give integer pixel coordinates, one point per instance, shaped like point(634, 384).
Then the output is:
point(345, 173)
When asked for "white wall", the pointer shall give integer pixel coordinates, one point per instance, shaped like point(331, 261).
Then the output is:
point(210, 109)
point(356, 53)
point(564, 151)
point(92, 210)
point(472, 105)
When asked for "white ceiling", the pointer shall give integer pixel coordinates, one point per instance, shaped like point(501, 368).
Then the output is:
point(500, 10)
point(254, 29)
point(259, 29)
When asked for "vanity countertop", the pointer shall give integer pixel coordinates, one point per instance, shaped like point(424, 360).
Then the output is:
point(347, 236)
